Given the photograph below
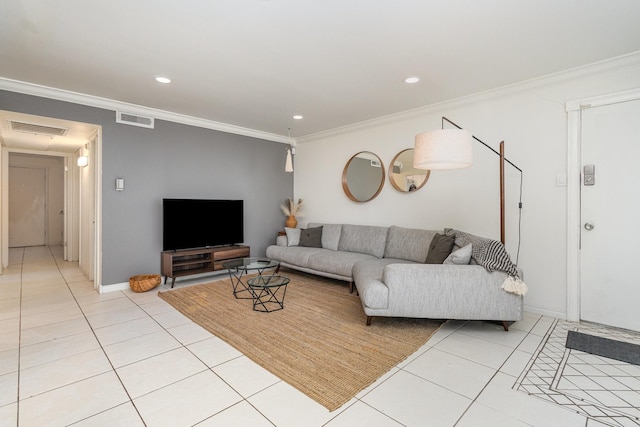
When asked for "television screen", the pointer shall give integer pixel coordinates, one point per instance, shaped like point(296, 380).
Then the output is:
point(199, 223)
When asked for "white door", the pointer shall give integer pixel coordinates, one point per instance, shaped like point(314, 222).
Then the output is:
point(27, 206)
point(610, 212)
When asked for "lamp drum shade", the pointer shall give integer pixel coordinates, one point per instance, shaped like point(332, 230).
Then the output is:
point(288, 166)
point(443, 149)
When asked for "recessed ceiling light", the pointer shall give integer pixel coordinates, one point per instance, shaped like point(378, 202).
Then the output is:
point(298, 117)
point(161, 79)
point(412, 80)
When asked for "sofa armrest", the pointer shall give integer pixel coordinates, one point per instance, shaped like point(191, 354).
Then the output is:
point(281, 241)
point(450, 292)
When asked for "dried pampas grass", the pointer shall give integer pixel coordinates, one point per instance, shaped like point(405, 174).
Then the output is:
point(291, 207)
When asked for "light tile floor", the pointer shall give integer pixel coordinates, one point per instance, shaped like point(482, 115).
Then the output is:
point(69, 356)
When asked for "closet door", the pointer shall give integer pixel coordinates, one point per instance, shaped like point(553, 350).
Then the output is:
point(27, 203)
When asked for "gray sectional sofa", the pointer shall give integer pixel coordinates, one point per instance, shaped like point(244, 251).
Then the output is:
point(387, 266)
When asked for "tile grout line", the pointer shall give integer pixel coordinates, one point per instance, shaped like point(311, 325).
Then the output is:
point(19, 340)
point(498, 371)
point(245, 399)
point(99, 343)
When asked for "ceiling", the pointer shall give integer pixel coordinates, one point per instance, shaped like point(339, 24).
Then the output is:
point(27, 132)
point(256, 63)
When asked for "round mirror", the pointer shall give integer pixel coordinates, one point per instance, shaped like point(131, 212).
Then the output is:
point(363, 177)
point(403, 176)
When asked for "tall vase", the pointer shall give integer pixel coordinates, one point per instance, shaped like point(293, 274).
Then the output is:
point(291, 222)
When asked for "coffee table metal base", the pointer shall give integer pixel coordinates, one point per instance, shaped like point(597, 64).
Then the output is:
point(268, 292)
point(238, 268)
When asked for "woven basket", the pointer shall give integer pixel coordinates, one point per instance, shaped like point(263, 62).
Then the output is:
point(144, 282)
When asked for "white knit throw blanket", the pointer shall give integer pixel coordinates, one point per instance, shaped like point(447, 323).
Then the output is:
point(514, 285)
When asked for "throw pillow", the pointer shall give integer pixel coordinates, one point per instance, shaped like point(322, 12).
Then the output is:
point(311, 237)
point(461, 256)
point(330, 234)
point(293, 236)
point(439, 249)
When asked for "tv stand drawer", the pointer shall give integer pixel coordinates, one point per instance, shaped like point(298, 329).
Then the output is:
point(232, 252)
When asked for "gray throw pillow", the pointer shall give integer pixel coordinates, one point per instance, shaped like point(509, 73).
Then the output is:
point(330, 234)
point(439, 249)
point(311, 237)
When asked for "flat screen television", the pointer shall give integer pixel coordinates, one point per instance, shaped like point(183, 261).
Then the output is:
point(200, 223)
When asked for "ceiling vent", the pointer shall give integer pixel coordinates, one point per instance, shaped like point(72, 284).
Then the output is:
point(134, 120)
point(37, 129)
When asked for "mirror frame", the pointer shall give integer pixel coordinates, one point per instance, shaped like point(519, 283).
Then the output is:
point(345, 184)
point(393, 182)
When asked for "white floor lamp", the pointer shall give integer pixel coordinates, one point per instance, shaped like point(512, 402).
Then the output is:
point(452, 149)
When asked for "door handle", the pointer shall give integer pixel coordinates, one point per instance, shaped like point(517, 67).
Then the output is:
point(588, 226)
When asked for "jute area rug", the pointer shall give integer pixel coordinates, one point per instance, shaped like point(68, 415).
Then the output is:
point(318, 343)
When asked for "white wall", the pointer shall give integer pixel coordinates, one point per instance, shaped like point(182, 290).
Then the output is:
point(530, 117)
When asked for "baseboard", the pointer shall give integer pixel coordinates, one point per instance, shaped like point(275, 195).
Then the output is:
point(113, 287)
point(545, 312)
point(191, 280)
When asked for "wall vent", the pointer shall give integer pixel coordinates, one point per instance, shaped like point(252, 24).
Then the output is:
point(37, 129)
point(134, 120)
point(376, 164)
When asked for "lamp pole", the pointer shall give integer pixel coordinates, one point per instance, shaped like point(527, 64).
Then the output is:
point(502, 163)
point(502, 234)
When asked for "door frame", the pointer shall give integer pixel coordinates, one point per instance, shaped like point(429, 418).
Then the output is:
point(574, 173)
point(71, 216)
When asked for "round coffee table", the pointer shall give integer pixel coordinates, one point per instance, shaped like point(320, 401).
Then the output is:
point(268, 292)
point(239, 267)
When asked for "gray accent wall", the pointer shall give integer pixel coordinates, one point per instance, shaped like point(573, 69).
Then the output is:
point(171, 161)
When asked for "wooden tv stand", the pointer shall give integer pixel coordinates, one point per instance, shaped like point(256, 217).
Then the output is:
point(195, 261)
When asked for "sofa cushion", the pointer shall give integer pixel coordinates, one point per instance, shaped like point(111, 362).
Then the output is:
point(311, 237)
point(336, 262)
point(295, 255)
point(439, 249)
point(330, 235)
point(408, 243)
point(293, 236)
point(460, 256)
point(366, 239)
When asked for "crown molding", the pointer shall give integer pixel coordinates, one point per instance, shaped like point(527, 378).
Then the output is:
point(600, 100)
point(619, 62)
point(629, 60)
point(110, 104)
